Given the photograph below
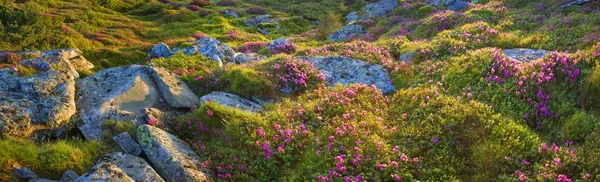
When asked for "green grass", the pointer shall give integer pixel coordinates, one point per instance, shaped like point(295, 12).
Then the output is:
point(48, 160)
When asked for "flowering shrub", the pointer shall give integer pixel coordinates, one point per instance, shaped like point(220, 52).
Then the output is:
point(360, 50)
point(287, 48)
point(293, 74)
point(193, 7)
point(255, 10)
point(556, 163)
point(9, 58)
point(252, 47)
point(200, 3)
point(337, 136)
point(227, 3)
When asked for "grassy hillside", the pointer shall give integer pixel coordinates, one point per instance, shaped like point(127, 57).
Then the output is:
point(462, 111)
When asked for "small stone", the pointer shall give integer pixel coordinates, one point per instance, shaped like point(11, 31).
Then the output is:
point(24, 173)
point(69, 176)
point(126, 142)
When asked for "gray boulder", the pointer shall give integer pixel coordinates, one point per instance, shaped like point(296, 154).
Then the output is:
point(346, 71)
point(24, 173)
point(525, 55)
point(126, 142)
point(174, 91)
point(241, 58)
point(263, 31)
point(575, 3)
point(459, 5)
point(214, 49)
point(172, 158)
point(346, 32)
point(351, 18)
point(229, 13)
point(134, 167)
point(123, 93)
point(260, 19)
point(115, 93)
point(69, 176)
point(74, 55)
point(278, 42)
point(104, 172)
point(46, 100)
point(231, 100)
point(161, 50)
point(379, 9)
point(454, 5)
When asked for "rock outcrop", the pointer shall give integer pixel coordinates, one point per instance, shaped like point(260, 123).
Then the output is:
point(231, 100)
point(351, 18)
point(120, 167)
point(346, 32)
point(267, 18)
point(525, 55)
point(172, 158)
point(121, 93)
point(345, 71)
point(575, 3)
point(44, 99)
point(214, 49)
point(161, 50)
point(454, 5)
point(241, 58)
point(378, 9)
point(229, 13)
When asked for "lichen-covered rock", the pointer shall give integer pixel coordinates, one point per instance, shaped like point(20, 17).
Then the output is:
point(351, 18)
point(453, 5)
point(115, 93)
point(231, 100)
point(525, 55)
point(345, 71)
point(241, 58)
point(214, 49)
point(134, 167)
point(407, 57)
point(161, 50)
point(172, 158)
point(104, 172)
point(75, 57)
point(378, 9)
point(69, 176)
point(575, 3)
point(229, 13)
point(126, 142)
point(259, 19)
point(24, 173)
point(174, 91)
point(46, 99)
point(346, 32)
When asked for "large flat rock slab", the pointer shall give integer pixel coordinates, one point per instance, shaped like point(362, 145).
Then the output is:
point(113, 93)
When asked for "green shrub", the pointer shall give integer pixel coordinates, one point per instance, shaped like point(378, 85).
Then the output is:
point(579, 126)
point(328, 25)
point(591, 88)
point(425, 10)
point(48, 160)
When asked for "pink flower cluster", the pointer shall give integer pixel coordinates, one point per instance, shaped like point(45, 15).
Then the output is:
point(360, 50)
point(288, 48)
point(295, 74)
point(251, 47)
